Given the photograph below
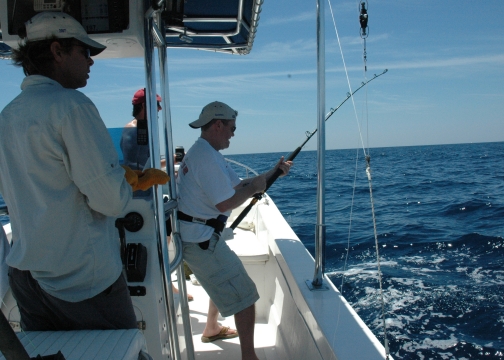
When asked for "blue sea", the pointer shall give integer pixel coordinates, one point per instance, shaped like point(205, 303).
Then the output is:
point(439, 218)
point(440, 225)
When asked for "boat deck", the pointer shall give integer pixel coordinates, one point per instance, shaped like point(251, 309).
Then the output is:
point(264, 335)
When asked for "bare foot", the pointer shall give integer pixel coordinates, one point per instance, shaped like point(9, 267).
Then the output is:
point(175, 291)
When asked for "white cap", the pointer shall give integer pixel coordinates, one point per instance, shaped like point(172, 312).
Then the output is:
point(50, 23)
point(214, 110)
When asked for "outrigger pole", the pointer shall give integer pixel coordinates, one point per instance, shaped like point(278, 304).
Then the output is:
point(320, 225)
point(292, 155)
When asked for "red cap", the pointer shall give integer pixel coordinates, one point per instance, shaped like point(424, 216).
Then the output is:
point(139, 97)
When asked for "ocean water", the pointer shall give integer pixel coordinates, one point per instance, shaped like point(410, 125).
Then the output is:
point(439, 219)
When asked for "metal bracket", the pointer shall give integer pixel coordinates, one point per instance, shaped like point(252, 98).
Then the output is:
point(312, 287)
point(15, 325)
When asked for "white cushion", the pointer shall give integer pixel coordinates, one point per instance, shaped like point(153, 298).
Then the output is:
point(84, 344)
point(246, 245)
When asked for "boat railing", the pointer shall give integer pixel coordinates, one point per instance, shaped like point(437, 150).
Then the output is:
point(169, 207)
point(245, 167)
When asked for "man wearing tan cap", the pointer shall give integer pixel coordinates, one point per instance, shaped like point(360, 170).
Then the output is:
point(208, 190)
point(62, 182)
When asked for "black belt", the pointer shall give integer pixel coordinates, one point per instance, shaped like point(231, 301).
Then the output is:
point(218, 224)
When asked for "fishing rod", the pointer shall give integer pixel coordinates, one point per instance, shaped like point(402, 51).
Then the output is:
point(291, 157)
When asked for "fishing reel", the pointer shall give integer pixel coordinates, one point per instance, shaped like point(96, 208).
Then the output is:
point(363, 19)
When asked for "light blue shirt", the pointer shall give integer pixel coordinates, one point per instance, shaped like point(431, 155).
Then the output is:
point(61, 180)
point(204, 180)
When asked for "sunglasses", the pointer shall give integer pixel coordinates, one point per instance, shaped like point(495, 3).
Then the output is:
point(226, 122)
point(86, 52)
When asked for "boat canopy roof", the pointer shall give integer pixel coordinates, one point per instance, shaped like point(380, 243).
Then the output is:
point(218, 25)
point(227, 25)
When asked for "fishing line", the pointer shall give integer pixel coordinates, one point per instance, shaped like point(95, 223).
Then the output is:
point(347, 77)
point(364, 33)
point(355, 173)
point(363, 19)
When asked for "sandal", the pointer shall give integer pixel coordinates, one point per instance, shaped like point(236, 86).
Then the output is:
point(221, 335)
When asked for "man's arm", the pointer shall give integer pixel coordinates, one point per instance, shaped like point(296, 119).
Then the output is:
point(248, 187)
point(284, 166)
point(245, 189)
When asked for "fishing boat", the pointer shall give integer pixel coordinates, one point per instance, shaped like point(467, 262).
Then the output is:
point(300, 314)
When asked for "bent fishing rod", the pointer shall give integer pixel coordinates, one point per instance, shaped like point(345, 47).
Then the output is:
point(291, 157)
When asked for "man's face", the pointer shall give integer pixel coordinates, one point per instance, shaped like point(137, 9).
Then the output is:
point(227, 132)
point(142, 115)
point(76, 67)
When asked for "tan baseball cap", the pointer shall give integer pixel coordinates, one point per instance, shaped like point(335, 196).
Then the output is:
point(214, 110)
point(50, 23)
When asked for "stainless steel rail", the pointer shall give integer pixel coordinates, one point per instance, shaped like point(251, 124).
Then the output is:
point(235, 48)
point(320, 230)
point(238, 20)
point(149, 35)
point(172, 190)
point(247, 169)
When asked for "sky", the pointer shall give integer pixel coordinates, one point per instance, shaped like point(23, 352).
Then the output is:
point(445, 62)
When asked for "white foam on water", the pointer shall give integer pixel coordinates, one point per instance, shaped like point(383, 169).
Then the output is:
point(429, 343)
point(410, 282)
point(439, 315)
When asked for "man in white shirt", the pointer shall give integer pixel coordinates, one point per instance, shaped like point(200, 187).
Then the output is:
point(208, 190)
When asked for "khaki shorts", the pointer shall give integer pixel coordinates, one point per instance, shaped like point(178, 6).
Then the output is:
point(222, 275)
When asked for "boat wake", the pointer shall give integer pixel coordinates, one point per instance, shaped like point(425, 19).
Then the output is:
point(443, 300)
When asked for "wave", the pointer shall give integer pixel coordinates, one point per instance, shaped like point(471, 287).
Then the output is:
point(442, 299)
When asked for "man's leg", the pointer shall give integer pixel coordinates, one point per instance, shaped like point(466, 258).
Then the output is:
point(35, 315)
point(212, 326)
point(245, 322)
point(111, 309)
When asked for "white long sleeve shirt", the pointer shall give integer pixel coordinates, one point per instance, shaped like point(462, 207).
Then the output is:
point(61, 180)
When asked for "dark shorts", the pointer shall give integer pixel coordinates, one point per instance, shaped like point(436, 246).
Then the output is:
point(221, 273)
point(111, 309)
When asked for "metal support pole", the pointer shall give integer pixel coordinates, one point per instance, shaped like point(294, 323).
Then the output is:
point(168, 142)
point(317, 283)
point(155, 161)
